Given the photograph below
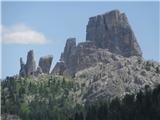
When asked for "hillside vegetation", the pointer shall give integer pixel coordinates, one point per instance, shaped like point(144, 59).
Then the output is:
point(42, 98)
point(57, 98)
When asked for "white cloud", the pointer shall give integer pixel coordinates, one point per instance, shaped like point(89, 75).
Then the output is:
point(21, 34)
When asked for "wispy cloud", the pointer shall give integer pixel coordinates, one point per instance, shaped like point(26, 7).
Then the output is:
point(21, 34)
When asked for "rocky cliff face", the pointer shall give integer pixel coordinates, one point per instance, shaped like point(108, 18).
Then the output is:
point(45, 63)
point(9, 117)
point(68, 56)
point(108, 32)
point(59, 68)
point(112, 31)
point(110, 62)
point(30, 66)
point(29, 69)
point(118, 77)
point(22, 71)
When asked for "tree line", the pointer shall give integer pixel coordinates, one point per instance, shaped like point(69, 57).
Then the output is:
point(53, 99)
point(141, 106)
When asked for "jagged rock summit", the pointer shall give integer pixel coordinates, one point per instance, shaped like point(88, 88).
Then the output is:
point(109, 32)
point(112, 31)
point(108, 64)
point(29, 69)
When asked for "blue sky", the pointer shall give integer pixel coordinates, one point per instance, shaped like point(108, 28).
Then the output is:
point(54, 22)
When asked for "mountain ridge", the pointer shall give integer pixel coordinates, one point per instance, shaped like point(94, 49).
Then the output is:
point(111, 45)
point(108, 65)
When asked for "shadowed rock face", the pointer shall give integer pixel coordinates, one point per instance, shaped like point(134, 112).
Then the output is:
point(30, 67)
point(30, 64)
point(22, 71)
point(45, 63)
point(112, 31)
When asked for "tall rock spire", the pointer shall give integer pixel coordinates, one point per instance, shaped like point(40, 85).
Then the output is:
point(112, 31)
point(107, 35)
point(22, 71)
point(29, 69)
point(30, 64)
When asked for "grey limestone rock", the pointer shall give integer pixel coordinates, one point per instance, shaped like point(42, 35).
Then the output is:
point(109, 32)
point(45, 63)
point(108, 64)
point(112, 31)
point(117, 78)
point(22, 71)
point(59, 68)
point(68, 56)
point(69, 50)
point(30, 64)
point(39, 70)
point(29, 69)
